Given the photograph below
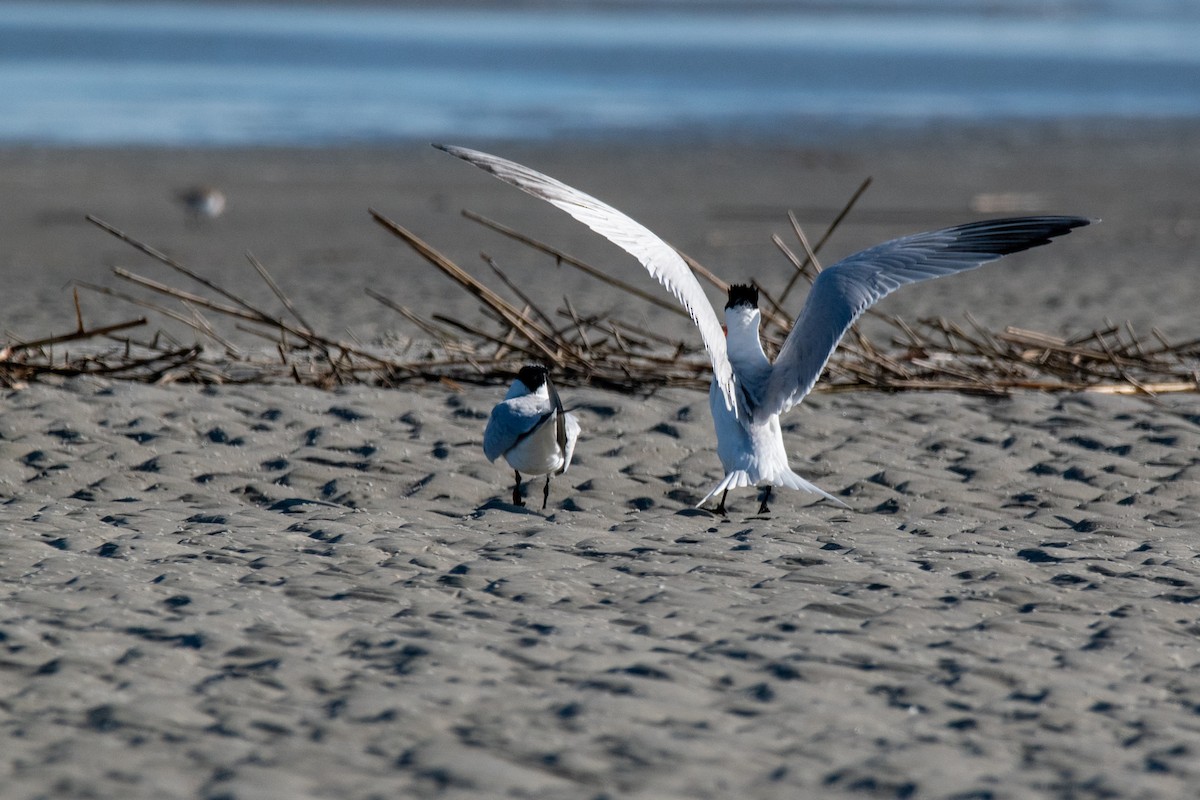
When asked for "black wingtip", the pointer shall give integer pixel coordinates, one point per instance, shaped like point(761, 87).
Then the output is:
point(466, 154)
point(1057, 226)
point(452, 149)
point(999, 237)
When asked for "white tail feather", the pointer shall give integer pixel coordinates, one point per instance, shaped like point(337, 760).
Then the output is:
point(739, 478)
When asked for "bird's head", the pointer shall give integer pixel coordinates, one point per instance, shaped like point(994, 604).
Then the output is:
point(741, 310)
point(530, 379)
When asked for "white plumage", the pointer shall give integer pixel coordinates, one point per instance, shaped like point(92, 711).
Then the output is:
point(749, 392)
point(531, 430)
point(203, 202)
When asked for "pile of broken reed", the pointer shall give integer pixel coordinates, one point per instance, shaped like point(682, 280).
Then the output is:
point(581, 346)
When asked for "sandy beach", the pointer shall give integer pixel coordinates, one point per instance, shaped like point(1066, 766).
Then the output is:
point(281, 592)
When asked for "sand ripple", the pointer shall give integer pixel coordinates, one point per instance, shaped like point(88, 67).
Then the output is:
point(279, 592)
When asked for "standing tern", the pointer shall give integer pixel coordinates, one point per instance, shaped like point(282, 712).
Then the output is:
point(748, 391)
point(531, 430)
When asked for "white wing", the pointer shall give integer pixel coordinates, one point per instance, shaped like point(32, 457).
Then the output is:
point(655, 255)
point(844, 291)
point(509, 423)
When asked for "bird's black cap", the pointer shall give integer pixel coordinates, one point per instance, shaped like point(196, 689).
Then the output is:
point(742, 295)
point(533, 376)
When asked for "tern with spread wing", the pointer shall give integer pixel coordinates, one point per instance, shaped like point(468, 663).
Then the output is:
point(748, 391)
point(531, 430)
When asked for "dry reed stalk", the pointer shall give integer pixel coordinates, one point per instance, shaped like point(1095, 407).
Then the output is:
point(595, 348)
point(833, 226)
point(78, 335)
point(463, 278)
point(515, 289)
point(279, 293)
point(574, 262)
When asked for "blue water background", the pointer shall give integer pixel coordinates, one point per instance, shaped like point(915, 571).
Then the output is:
point(242, 74)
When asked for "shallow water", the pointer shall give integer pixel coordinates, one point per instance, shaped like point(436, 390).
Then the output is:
point(186, 74)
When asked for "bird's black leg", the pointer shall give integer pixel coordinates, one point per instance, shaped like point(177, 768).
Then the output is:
point(517, 501)
point(721, 505)
point(766, 495)
point(545, 493)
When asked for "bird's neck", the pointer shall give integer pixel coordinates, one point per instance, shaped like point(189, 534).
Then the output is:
point(519, 389)
point(742, 342)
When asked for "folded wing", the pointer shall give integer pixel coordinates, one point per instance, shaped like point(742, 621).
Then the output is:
point(572, 429)
point(508, 425)
point(844, 291)
point(659, 258)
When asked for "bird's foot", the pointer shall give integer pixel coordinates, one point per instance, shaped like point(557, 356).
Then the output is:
point(720, 509)
point(517, 501)
point(762, 504)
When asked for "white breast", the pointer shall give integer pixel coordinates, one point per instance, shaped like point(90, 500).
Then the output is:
point(537, 453)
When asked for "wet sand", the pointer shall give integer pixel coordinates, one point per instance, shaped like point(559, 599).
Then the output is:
point(280, 592)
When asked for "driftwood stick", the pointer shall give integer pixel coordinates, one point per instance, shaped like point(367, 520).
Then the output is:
point(587, 345)
point(444, 337)
point(77, 335)
point(810, 255)
point(596, 348)
point(201, 323)
point(137, 301)
point(283, 298)
point(512, 285)
point(833, 226)
point(243, 311)
point(529, 353)
point(468, 282)
point(704, 272)
point(172, 263)
point(79, 326)
point(795, 261)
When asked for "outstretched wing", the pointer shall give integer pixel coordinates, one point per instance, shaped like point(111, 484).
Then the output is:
point(844, 291)
point(656, 256)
